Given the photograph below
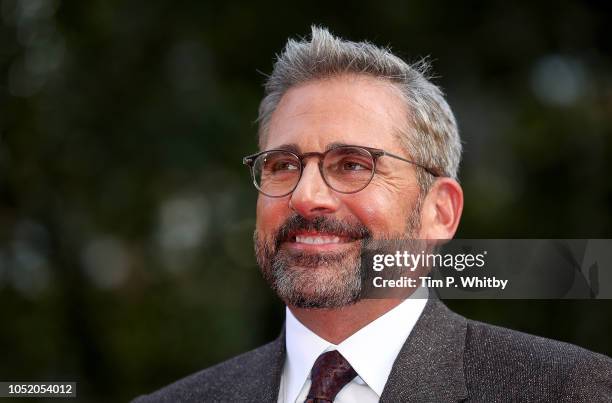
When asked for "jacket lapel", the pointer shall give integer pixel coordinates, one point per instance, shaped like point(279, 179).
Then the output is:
point(429, 367)
point(264, 384)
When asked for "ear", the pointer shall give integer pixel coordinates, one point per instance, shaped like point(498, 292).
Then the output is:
point(441, 210)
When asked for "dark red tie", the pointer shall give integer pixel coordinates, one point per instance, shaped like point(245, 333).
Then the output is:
point(330, 373)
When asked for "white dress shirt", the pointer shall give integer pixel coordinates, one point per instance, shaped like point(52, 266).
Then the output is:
point(371, 351)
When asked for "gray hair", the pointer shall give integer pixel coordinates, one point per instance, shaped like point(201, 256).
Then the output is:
point(432, 141)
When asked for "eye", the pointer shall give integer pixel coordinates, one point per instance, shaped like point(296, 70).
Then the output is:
point(284, 166)
point(353, 165)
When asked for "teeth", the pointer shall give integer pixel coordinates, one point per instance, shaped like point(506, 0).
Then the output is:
point(317, 240)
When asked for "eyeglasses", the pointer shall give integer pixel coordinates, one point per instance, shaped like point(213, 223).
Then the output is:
point(345, 168)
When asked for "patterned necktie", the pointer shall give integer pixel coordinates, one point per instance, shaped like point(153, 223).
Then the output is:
point(330, 373)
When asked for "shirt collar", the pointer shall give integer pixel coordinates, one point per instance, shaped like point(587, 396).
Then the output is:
point(371, 350)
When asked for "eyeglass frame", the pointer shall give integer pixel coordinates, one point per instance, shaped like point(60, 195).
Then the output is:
point(375, 153)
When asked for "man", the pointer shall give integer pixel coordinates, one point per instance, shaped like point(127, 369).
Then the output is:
point(356, 145)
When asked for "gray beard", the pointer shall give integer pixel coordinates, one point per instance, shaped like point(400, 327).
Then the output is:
point(313, 280)
point(328, 280)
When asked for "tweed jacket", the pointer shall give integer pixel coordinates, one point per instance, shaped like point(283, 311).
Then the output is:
point(446, 358)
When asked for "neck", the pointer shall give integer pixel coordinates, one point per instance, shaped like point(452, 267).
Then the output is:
point(337, 324)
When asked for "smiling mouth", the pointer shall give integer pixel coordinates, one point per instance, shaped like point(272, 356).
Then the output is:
point(317, 241)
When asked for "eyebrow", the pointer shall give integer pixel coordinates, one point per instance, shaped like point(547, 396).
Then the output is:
point(294, 148)
point(331, 146)
point(291, 147)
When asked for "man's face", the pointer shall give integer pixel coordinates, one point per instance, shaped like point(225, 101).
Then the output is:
point(308, 243)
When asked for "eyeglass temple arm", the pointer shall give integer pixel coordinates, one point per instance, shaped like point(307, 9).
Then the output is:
point(429, 170)
point(249, 159)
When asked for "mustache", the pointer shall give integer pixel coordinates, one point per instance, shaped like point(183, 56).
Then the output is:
point(324, 224)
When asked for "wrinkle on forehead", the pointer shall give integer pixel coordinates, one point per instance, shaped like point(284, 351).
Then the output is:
point(329, 105)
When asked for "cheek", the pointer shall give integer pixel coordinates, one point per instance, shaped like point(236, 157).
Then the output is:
point(271, 213)
point(380, 212)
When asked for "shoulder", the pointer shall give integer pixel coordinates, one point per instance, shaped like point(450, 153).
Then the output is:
point(500, 361)
point(237, 379)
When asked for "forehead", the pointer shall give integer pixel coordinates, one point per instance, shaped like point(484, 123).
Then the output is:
point(357, 110)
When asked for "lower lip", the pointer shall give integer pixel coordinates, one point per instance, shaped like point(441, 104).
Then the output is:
point(321, 247)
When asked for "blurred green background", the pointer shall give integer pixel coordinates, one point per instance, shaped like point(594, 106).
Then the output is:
point(126, 216)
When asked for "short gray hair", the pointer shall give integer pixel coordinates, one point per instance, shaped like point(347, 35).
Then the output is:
point(433, 140)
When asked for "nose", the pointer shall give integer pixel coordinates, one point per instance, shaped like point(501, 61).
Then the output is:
point(312, 197)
